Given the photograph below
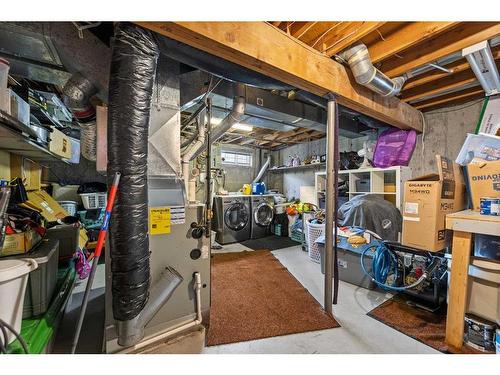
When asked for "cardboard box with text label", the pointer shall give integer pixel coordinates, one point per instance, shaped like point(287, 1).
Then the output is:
point(484, 181)
point(427, 200)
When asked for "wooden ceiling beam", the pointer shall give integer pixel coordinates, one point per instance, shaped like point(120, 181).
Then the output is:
point(261, 47)
point(456, 102)
point(448, 99)
point(293, 133)
point(435, 74)
point(450, 82)
point(406, 37)
point(454, 40)
point(338, 41)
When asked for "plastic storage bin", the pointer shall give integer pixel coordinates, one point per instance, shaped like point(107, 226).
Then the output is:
point(363, 185)
point(13, 279)
point(94, 200)
point(349, 264)
point(68, 236)
point(42, 281)
point(486, 246)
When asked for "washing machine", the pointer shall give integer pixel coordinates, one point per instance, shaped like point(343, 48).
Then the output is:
point(262, 215)
point(231, 220)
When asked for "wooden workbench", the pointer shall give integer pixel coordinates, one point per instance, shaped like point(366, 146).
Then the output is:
point(463, 224)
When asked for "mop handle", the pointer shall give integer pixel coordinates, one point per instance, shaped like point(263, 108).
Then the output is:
point(109, 208)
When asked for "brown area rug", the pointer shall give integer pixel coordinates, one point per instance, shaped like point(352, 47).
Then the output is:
point(424, 326)
point(254, 296)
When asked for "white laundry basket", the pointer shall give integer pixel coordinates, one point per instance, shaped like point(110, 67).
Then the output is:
point(92, 201)
point(13, 280)
point(313, 231)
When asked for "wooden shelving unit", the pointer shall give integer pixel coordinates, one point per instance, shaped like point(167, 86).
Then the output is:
point(464, 225)
point(388, 182)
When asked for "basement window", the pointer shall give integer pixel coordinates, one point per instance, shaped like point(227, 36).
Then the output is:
point(236, 158)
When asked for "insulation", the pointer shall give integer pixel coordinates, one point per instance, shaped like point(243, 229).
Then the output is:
point(133, 70)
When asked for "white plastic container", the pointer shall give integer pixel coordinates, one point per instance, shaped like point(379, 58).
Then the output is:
point(4, 73)
point(69, 206)
point(94, 200)
point(13, 280)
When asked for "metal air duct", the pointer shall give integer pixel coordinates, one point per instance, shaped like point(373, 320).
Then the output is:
point(233, 117)
point(76, 95)
point(358, 59)
point(262, 170)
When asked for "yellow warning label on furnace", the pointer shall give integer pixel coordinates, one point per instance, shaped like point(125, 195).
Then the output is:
point(159, 220)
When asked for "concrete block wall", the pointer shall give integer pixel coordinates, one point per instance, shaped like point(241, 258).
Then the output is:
point(236, 176)
point(289, 182)
point(445, 132)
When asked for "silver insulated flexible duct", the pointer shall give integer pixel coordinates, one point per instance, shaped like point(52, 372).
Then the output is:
point(358, 59)
point(76, 95)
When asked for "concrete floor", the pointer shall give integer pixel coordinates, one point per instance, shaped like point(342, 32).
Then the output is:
point(358, 332)
point(92, 334)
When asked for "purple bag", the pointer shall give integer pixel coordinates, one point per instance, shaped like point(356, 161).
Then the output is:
point(394, 147)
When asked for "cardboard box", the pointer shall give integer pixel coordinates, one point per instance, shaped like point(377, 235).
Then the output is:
point(19, 109)
point(47, 206)
point(20, 243)
point(60, 144)
point(28, 170)
point(427, 200)
point(483, 181)
point(489, 122)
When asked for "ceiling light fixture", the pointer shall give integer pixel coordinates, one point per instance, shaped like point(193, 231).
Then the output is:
point(242, 127)
point(484, 67)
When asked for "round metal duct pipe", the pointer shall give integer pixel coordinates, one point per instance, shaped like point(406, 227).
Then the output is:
point(366, 74)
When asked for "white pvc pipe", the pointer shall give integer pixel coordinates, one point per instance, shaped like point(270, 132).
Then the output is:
point(193, 323)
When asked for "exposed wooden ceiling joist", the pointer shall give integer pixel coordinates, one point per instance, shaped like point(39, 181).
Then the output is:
point(450, 82)
point(337, 41)
point(313, 35)
point(433, 75)
point(263, 48)
point(301, 28)
point(406, 37)
point(447, 83)
point(454, 40)
point(468, 94)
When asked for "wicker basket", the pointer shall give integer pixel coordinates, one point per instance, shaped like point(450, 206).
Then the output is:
point(313, 231)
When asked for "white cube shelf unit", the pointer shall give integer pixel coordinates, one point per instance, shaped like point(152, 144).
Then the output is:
point(388, 182)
